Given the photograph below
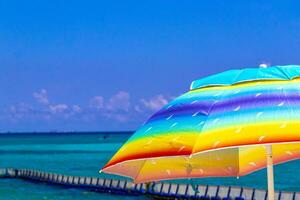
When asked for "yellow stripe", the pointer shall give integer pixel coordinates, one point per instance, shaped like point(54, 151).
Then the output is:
point(247, 84)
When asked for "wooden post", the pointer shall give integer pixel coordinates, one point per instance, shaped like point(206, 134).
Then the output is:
point(270, 173)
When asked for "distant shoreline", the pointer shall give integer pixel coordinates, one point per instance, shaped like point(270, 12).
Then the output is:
point(66, 133)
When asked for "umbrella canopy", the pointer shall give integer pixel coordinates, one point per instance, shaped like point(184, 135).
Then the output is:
point(219, 128)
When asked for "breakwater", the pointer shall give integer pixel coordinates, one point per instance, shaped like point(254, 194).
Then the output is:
point(155, 190)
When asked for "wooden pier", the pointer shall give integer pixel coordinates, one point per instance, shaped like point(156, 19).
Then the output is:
point(155, 190)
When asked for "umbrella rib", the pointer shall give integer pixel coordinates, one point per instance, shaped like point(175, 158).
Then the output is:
point(284, 73)
point(137, 175)
point(168, 142)
point(239, 73)
point(208, 114)
point(209, 111)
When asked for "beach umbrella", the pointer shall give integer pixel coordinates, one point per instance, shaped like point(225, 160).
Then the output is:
point(228, 124)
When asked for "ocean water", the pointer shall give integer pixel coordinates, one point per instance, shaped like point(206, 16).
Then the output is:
point(84, 154)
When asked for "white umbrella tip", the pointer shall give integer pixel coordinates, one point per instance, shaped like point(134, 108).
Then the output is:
point(263, 65)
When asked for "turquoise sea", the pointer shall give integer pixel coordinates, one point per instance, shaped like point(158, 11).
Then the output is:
point(84, 154)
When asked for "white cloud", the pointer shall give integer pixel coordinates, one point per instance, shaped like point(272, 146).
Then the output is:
point(138, 108)
point(20, 111)
point(117, 116)
point(120, 101)
point(76, 108)
point(115, 108)
point(41, 96)
point(58, 108)
point(97, 102)
point(154, 103)
point(21, 108)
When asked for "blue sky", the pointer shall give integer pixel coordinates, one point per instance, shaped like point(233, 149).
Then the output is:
point(107, 65)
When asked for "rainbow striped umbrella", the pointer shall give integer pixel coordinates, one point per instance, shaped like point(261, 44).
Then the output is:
point(228, 124)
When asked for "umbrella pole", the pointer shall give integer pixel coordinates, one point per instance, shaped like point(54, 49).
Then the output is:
point(270, 173)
